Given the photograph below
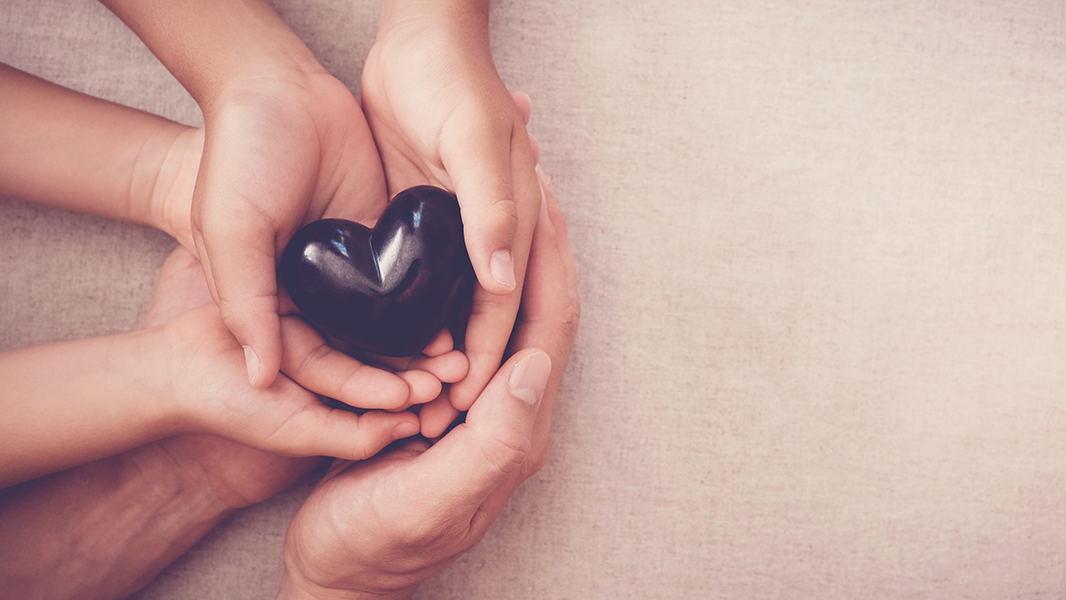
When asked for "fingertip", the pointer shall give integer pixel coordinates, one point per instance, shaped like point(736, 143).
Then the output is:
point(534, 147)
point(374, 430)
point(442, 343)
point(405, 429)
point(435, 417)
point(261, 374)
point(423, 386)
point(501, 267)
point(251, 360)
point(255, 324)
point(464, 392)
point(377, 388)
point(523, 103)
point(529, 377)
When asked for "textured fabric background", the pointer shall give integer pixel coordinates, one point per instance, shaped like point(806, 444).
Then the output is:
point(822, 252)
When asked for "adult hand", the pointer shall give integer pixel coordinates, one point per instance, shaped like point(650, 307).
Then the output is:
point(441, 115)
point(376, 529)
point(167, 495)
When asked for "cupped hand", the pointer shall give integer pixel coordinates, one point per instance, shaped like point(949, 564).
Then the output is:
point(280, 150)
point(441, 115)
point(203, 373)
point(238, 475)
point(380, 527)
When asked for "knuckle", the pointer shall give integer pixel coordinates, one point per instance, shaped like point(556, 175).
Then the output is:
point(312, 357)
point(437, 531)
point(505, 451)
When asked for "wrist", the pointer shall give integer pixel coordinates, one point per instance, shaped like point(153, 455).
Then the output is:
point(213, 46)
point(66, 523)
point(437, 13)
point(166, 176)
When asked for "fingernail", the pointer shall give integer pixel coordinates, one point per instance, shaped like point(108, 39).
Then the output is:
point(251, 359)
point(530, 377)
point(404, 430)
point(501, 266)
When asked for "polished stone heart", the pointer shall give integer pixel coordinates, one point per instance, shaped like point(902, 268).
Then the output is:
point(386, 290)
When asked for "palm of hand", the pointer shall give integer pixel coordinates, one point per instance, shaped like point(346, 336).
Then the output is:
point(288, 153)
point(210, 371)
point(410, 98)
point(372, 554)
point(238, 474)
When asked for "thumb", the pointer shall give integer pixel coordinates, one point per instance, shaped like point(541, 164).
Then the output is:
point(480, 163)
point(476, 457)
point(240, 272)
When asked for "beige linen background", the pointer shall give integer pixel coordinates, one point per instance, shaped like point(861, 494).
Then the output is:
point(822, 252)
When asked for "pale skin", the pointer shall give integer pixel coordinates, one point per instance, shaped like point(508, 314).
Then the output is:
point(186, 376)
point(435, 502)
point(60, 533)
point(378, 528)
point(171, 492)
point(286, 144)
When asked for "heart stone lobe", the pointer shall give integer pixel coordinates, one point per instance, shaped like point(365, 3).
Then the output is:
point(386, 290)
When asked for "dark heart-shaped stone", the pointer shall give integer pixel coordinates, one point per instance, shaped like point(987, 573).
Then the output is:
point(386, 290)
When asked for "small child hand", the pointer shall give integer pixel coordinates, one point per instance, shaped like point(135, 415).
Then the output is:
point(205, 376)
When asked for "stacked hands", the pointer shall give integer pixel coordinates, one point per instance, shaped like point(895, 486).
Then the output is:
point(217, 403)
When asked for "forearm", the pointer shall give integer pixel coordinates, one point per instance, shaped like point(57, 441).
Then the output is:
point(471, 14)
point(213, 45)
point(98, 397)
point(102, 530)
point(78, 152)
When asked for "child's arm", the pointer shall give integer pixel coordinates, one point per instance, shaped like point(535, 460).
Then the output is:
point(69, 403)
point(73, 402)
point(68, 149)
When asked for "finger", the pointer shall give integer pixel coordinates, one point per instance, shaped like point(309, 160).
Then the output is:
point(435, 417)
point(240, 272)
point(549, 320)
point(551, 306)
point(481, 154)
point(181, 287)
point(523, 103)
point(466, 465)
point(322, 431)
point(318, 367)
point(492, 315)
point(423, 385)
point(442, 343)
point(447, 368)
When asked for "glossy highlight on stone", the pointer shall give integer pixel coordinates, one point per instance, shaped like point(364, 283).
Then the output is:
point(386, 290)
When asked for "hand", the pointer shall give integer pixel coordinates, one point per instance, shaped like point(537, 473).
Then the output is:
point(441, 115)
point(167, 494)
point(293, 149)
point(285, 143)
point(380, 527)
point(204, 373)
point(236, 474)
point(171, 192)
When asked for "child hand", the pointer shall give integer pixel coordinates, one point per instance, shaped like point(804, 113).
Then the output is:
point(206, 379)
point(441, 115)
